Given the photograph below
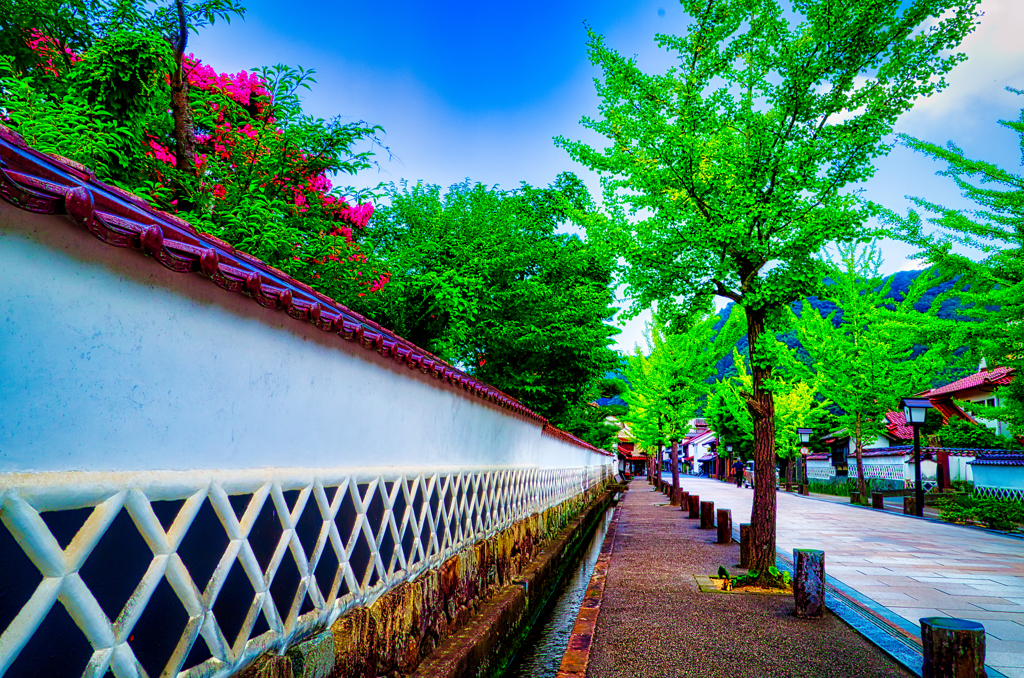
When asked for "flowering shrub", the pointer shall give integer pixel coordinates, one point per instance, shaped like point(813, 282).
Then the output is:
point(48, 49)
point(262, 178)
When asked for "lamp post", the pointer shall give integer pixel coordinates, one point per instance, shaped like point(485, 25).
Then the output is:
point(914, 410)
point(805, 438)
point(728, 460)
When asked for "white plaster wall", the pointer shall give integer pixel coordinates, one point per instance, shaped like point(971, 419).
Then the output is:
point(1011, 477)
point(893, 459)
point(878, 442)
point(110, 362)
point(929, 470)
point(959, 469)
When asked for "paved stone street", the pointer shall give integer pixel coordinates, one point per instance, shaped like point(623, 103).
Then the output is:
point(655, 622)
point(916, 568)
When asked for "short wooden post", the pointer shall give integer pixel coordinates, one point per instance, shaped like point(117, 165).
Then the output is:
point(953, 648)
point(805, 489)
point(684, 501)
point(855, 497)
point(745, 545)
point(707, 515)
point(677, 496)
point(724, 526)
point(694, 506)
point(809, 583)
point(908, 506)
point(877, 500)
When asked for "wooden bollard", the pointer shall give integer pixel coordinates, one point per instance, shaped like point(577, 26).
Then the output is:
point(805, 490)
point(677, 496)
point(745, 545)
point(908, 506)
point(724, 526)
point(694, 506)
point(707, 515)
point(953, 648)
point(855, 497)
point(684, 501)
point(809, 582)
point(877, 500)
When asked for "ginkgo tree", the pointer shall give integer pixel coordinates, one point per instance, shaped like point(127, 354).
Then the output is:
point(982, 249)
point(871, 351)
point(728, 174)
point(798, 404)
point(669, 383)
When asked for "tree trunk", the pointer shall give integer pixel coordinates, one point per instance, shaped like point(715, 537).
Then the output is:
point(762, 410)
point(661, 460)
point(184, 130)
point(674, 457)
point(862, 483)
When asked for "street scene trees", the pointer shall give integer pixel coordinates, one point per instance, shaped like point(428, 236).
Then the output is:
point(870, 351)
point(481, 277)
point(669, 383)
point(730, 173)
point(417, 358)
point(990, 290)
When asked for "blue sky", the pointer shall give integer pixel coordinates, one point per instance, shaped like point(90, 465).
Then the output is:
point(478, 90)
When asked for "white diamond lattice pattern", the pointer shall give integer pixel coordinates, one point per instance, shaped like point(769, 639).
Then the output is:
point(1013, 493)
point(821, 472)
point(882, 471)
point(349, 537)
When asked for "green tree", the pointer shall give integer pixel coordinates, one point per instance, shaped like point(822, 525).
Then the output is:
point(263, 185)
point(990, 290)
point(594, 423)
point(726, 174)
point(727, 415)
point(67, 25)
point(869, 352)
point(482, 277)
point(797, 405)
point(959, 432)
point(668, 385)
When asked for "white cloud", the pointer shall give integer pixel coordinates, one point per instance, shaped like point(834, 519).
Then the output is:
point(995, 60)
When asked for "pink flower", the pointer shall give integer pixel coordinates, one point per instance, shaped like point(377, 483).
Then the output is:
point(161, 153)
point(46, 49)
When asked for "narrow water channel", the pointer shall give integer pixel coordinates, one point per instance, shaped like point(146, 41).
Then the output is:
point(542, 652)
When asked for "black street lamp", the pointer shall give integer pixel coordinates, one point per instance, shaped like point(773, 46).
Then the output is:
point(805, 438)
point(914, 410)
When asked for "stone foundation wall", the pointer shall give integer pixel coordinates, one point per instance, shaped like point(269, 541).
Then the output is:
point(401, 628)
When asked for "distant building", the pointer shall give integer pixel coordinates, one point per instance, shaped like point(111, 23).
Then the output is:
point(630, 459)
point(975, 388)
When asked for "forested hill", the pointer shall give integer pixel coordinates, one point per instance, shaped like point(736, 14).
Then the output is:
point(901, 282)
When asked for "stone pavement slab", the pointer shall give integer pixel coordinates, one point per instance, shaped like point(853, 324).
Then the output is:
point(940, 569)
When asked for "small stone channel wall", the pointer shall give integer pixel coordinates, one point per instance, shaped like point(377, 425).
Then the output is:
point(468, 616)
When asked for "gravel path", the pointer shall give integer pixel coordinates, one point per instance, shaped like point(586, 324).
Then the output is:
point(654, 621)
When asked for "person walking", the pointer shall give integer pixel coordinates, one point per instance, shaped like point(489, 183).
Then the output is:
point(739, 468)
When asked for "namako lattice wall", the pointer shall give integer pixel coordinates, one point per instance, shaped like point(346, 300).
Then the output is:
point(188, 479)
